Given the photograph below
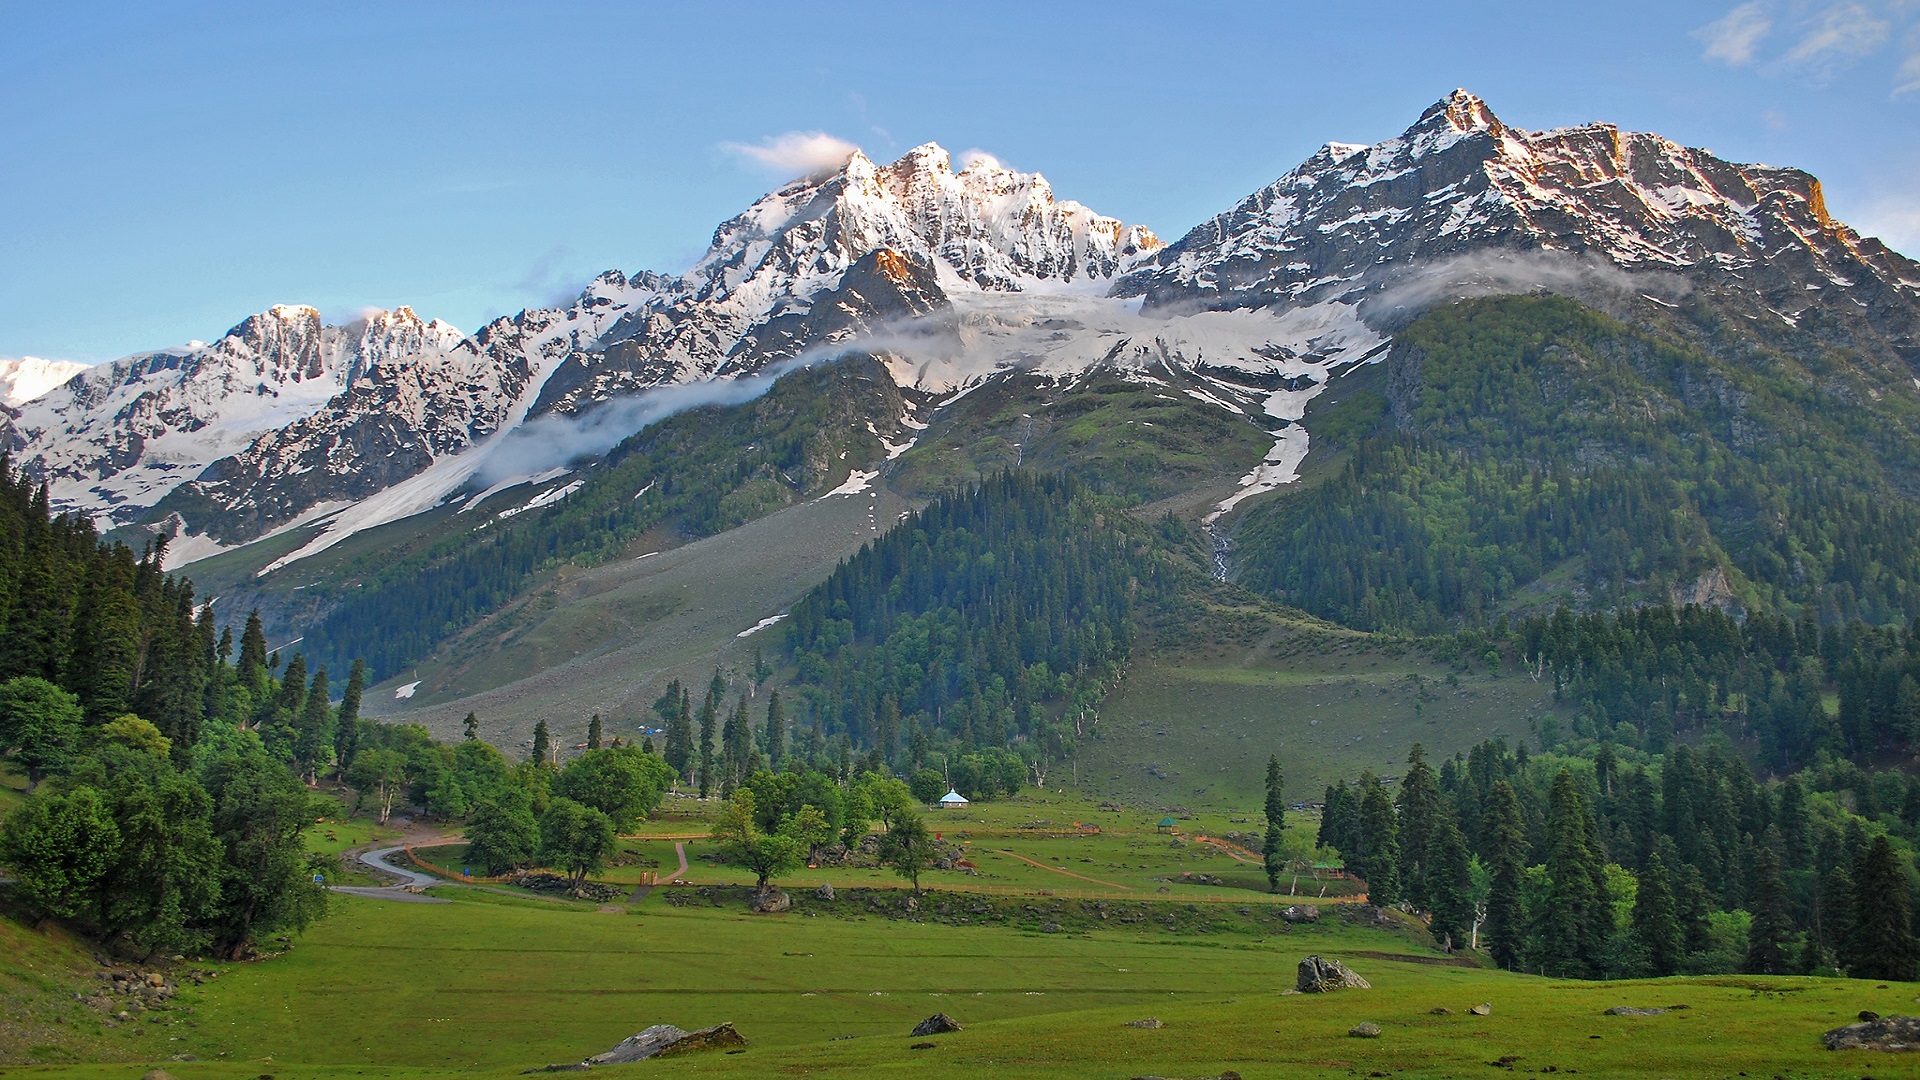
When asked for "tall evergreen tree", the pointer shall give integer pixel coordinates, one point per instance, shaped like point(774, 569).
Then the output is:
point(542, 744)
point(1771, 930)
point(1656, 919)
point(1505, 852)
point(346, 725)
point(470, 728)
point(593, 732)
point(1881, 944)
point(776, 731)
point(709, 719)
point(1449, 880)
point(313, 741)
point(1379, 843)
point(1419, 807)
point(253, 652)
point(1571, 905)
point(1270, 846)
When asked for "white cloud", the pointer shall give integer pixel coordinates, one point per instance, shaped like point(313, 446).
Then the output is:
point(1733, 37)
point(1840, 34)
point(796, 153)
point(977, 156)
point(1907, 81)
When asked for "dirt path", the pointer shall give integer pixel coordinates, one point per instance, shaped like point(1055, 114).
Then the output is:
point(680, 849)
point(407, 881)
point(1069, 873)
point(1231, 849)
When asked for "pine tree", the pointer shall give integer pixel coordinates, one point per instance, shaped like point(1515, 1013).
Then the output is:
point(346, 725)
point(1379, 844)
point(735, 744)
point(1772, 929)
point(1832, 921)
point(674, 714)
point(1339, 820)
point(253, 652)
point(1571, 904)
point(1505, 852)
point(1270, 846)
point(470, 728)
point(1419, 806)
point(1449, 881)
point(542, 745)
point(1656, 919)
point(314, 733)
point(1881, 944)
point(593, 732)
point(709, 718)
point(776, 731)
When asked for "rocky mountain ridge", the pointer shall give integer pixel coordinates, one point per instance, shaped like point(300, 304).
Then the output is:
point(956, 277)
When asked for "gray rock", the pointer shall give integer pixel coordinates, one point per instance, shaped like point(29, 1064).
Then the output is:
point(662, 1040)
point(1320, 976)
point(1149, 1022)
point(825, 891)
point(1366, 1029)
point(1301, 913)
point(1896, 1034)
point(937, 1024)
point(1483, 1009)
point(771, 902)
point(1441, 1010)
point(157, 1074)
point(1628, 1010)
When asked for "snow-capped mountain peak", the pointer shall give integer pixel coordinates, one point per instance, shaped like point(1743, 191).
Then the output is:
point(31, 377)
point(1350, 221)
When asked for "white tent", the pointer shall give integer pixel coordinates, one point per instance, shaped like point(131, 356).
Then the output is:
point(952, 800)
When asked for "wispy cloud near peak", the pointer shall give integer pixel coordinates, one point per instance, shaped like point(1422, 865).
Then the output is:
point(796, 153)
point(1733, 38)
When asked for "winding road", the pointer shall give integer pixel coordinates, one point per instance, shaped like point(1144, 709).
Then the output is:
point(409, 879)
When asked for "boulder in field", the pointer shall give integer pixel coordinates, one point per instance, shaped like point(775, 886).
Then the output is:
point(1628, 1010)
point(937, 1024)
point(1321, 976)
point(662, 1040)
point(771, 902)
point(1895, 1034)
point(1366, 1029)
point(1149, 1022)
point(1485, 1008)
point(1301, 913)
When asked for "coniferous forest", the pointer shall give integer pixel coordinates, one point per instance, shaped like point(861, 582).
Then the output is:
point(169, 805)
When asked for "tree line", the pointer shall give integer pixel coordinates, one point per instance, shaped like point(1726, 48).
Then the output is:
point(1625, 864)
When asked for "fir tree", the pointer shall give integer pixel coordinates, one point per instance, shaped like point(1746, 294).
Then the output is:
point(1270, 846)
point(776, 731)
point(1881, 943)
point(1379, 844)
point(1571, 904)
point(1505, 851)
point(1656, 920)
point(470, 728)
point(1772, 929)
point(1449, 881)
point(709, 719)
point(1418, 805)
point(593, 732)
point(253, 652)
point(346, 726)
point(542, 745)
point(313, 739)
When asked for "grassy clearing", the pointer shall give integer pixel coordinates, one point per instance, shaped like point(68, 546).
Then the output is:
point(1193, 727)
point(487, 987)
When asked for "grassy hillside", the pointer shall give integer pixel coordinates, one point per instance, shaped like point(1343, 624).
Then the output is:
point(1522, 451)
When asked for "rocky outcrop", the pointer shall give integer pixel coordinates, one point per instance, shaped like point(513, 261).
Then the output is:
point(1321, 976)
point(937, 1024)
point(770, 902)
point(1896, 1034)
point(665, 1040)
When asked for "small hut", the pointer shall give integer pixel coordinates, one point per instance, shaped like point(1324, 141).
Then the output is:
point(952, 800)
point(1167, 823)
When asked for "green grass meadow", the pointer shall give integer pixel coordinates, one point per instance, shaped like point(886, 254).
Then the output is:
point(489, 986)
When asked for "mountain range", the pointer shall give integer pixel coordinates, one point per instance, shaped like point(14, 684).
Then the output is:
point(1010, 326)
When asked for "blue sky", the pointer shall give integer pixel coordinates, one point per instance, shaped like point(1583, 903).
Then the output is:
point(168, 168)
